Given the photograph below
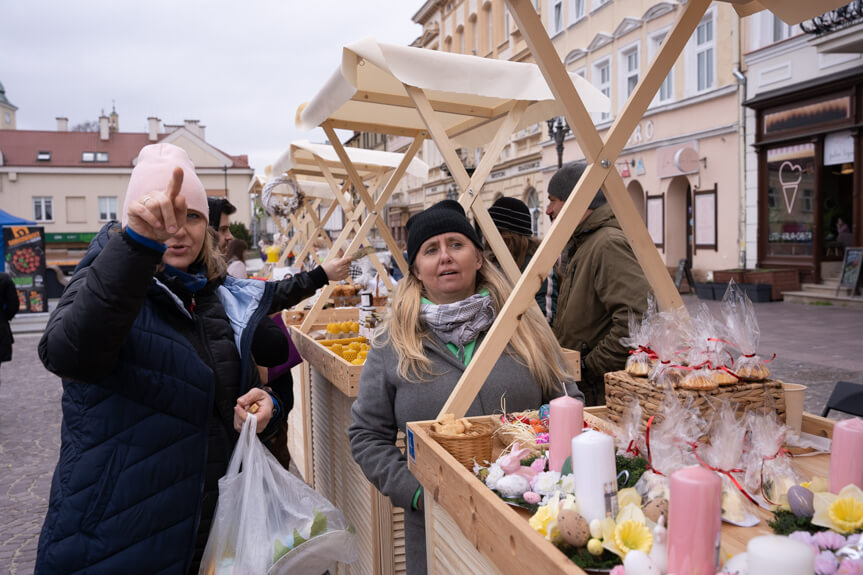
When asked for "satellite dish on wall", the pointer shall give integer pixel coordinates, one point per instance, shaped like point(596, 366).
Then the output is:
point(686, 160)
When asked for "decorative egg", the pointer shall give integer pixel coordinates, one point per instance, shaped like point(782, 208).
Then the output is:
point(654, 508)
point(573, 528)
point(512, 485)
point(800, 501)
point(594, 547)
point(596, 529)
point(638, 563)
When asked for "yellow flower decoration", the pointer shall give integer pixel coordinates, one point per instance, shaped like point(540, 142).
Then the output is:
point(631, 535)
point(539, 520)
point(843, 512)
point(544, 521)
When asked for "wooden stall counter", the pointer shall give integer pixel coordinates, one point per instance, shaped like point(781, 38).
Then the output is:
point(331, 386)
point(469, 529)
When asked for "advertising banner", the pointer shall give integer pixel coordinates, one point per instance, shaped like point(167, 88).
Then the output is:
point(24, 248)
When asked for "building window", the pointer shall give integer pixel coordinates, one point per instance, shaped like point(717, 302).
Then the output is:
point(576, 10)
point(43, 156)
point(107, 208)
point(43, 208)
point(88, 156)
point(629, 66)
point(490, 31)
point(602, 81)
point(474, 33)
point(535, 211)
point(101, 156)
point(704, 53)
point(506, 18)
point(556, 16)
point(781, 30)
point(666, 90)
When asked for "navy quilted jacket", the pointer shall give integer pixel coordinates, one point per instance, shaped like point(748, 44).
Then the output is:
point(137, 395)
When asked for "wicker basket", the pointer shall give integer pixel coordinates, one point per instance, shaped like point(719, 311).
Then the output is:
point(475, 444)
point(621, 389)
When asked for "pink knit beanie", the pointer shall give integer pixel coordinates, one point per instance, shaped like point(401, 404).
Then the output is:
point(152, 173)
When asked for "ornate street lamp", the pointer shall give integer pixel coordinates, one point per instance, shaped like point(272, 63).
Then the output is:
point(557, 130)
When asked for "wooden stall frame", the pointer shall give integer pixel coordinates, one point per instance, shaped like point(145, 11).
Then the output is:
point(601, 156)
point(369, 208)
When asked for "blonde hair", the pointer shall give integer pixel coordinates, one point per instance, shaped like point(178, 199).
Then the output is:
point(532, 344)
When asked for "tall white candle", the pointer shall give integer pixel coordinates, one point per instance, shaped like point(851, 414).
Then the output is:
point(775, 555)
point(595, 474)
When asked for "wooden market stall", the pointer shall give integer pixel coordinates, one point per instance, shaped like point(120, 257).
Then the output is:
point(464, 516)
point(308, 178)
point(454, 100)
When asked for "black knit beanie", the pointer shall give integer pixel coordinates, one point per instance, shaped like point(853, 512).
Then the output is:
point(443, 217)
point(511, 214)
point(564, 180)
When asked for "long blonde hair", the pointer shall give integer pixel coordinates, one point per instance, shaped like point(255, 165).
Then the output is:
point(532, 344)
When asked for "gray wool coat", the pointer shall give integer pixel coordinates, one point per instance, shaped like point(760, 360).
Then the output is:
point(385, 403)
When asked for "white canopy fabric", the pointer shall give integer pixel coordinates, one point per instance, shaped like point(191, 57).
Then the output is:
point(470, 94)
point(789, 11)
point(301, 153)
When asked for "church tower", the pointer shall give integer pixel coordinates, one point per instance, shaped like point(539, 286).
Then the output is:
point(7, 111)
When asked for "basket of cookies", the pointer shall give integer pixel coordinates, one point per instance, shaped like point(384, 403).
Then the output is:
point(464, 440)
point(703, 359)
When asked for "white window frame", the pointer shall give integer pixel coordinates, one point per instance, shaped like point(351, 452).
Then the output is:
point(596, 4)
point(604, 87)
point(43, 208)
point(105, 212)
point(577, 10)
point(708, 49)
point(88, 157)
point(556, 17)
point(627, 73)
point(506, 18)
point(490, 29)
point(654, 42)
point(101, 156)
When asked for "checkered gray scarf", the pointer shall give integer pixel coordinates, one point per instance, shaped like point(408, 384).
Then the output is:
point(461, 322)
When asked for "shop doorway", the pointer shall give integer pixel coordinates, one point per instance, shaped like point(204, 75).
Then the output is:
point(636, 192)
point(837, 210)
point(678, 221)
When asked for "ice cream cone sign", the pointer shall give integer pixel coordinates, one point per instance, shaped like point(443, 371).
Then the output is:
point(790, 176)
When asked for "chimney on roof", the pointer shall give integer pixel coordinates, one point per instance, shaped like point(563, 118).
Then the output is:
point(154, 127)
point(195, 127)
point(62, 124)
point(104, 128)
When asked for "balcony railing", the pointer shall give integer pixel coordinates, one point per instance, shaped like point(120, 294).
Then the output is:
point(848, 15)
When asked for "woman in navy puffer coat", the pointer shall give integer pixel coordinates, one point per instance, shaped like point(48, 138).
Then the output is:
point(155, 348)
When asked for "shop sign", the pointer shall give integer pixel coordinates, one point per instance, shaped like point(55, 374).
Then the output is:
point(838, 149)
point(24, 247)
point(82, 237)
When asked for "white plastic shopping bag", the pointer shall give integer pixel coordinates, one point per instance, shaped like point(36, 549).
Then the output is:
point(268, 521)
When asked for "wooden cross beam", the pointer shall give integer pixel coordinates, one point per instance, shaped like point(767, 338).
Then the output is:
point(601, 156)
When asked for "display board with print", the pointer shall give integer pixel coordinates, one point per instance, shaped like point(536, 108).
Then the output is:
point(24, 248)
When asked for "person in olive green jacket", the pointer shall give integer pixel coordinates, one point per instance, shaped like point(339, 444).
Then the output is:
point(601, 282)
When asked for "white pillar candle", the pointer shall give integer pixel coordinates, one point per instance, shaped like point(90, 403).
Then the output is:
point(775, 555)
point(595, 474)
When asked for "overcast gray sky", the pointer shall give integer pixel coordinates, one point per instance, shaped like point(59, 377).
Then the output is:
point(240, 67)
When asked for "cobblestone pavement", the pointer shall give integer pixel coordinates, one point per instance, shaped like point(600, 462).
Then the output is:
point(815, 345)
point(29, 447)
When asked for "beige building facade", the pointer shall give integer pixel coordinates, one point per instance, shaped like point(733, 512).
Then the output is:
point(681, 165)
point(72, 182)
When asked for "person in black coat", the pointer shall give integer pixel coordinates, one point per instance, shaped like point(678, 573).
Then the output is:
point(156, 350)
point(8, 308)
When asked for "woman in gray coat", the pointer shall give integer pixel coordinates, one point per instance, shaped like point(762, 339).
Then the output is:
point(441, 311)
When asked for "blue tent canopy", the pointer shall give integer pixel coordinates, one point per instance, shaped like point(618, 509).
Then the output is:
point(7, 219)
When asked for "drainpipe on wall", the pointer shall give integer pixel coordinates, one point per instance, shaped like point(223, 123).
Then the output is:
point(741, 135)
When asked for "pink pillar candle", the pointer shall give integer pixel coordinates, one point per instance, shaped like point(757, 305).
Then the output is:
point(846, 454)
point(565, 421)
point(694, 521)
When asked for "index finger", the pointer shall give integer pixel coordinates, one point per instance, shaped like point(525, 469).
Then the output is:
point(175, 184)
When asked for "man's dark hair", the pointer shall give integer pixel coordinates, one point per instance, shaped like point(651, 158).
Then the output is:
point(219, 206)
